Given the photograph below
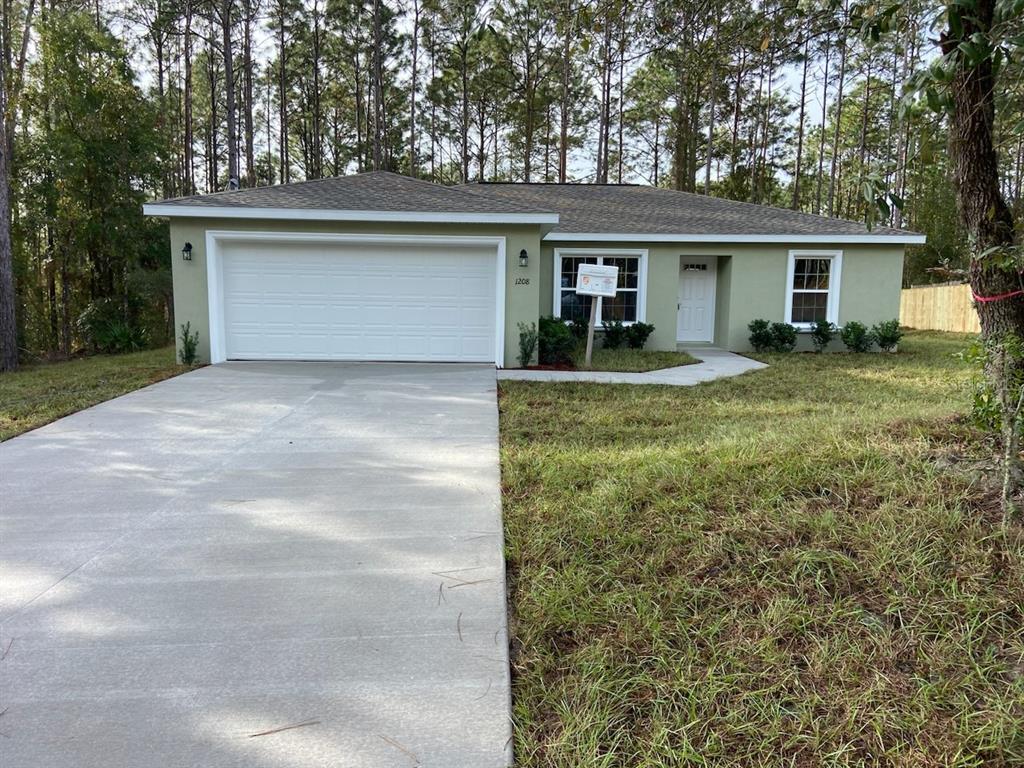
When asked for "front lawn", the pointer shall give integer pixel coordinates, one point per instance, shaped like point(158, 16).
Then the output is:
point(775, 569)
point(633, 360)
point(38, 394)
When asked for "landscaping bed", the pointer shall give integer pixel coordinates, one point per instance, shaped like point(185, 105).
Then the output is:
point(38, 394)
point(628, 360)
point(783, 568)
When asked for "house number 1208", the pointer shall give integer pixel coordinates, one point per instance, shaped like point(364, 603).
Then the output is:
point(522, 281)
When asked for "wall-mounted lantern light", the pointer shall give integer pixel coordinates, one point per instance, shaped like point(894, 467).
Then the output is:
point(186, 252)
point(524, 258)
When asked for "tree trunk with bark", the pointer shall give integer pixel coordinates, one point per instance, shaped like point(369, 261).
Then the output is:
point(990, 228)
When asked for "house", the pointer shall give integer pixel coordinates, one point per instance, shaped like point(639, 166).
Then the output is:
point(378, 266)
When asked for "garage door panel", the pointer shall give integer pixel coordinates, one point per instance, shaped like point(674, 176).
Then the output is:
point(358, 302)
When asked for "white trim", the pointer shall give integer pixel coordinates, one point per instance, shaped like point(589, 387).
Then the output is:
point(616, 237)
point(641, 277)
point(324, 214)
point(835, 278)
point(712, 261)
point(215, 271)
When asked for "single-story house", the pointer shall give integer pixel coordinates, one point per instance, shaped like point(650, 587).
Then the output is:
point(378, 266)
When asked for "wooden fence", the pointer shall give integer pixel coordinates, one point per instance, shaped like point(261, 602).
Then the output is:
point(939, 308)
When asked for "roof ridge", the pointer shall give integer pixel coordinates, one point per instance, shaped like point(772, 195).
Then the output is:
point(770, 206)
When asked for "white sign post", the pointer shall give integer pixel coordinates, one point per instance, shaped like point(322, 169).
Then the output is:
point(597, 281)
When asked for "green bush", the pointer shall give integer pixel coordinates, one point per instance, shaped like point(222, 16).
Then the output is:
point(527, 343)
point(822, 333)
point(887, 334)
point(760, 335)
point(637, 334)
point(112, 326)
point(579, 328)
point(555, 342)
point(614, 334)
point(783, 337)
point(856, 337)
point(189, 345)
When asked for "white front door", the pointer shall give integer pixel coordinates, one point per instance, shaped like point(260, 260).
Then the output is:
point(696, 320)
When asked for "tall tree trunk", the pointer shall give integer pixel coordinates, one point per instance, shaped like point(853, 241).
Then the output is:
point(249, 107)
point(818, 181)
point(989, 225)
point(8, 296)
point(229, 89)
point(413, 88)
point(834, 168)
point(187, 120)
point(378, 98)
point(800, 129)
point(11, 77)
point(563, 107)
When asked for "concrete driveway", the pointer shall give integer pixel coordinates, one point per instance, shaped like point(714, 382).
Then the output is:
point(262, 564)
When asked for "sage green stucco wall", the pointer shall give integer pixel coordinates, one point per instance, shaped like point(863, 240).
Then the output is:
point(190, 289)
point(869, 290)
point(751, 284)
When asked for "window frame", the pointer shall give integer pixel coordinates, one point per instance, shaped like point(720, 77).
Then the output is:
point(600, 254)
point(834, 280)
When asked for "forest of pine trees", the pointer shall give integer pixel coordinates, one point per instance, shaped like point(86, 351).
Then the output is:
point(109, 104)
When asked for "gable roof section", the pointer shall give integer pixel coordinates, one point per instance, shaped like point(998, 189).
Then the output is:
point(634, 213)
point(374, 196)
point(569, 212)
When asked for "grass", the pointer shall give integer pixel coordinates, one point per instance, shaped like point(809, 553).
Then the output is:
point(778, 569)
point(38, 394)
point(633, 360)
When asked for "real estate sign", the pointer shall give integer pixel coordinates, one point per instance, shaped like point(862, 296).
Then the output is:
point(597, 280)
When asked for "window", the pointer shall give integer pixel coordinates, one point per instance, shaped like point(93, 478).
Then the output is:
point(812, 291)
point(627, 305)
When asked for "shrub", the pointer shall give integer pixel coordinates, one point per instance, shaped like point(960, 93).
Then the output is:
point(822, 333)
point(120, 338)
point(783, 337)
point(614, 334)
point(887, 334)
point(760, 335)
point(856, 337)
point(112, 326)
point(555, 342)
point(637, 334)
point(527, 343)
point(579, 328)
point(189, 345)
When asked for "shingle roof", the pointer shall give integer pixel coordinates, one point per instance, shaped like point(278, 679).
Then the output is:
point(632, 209)
point(372, 191)
point(574, 209)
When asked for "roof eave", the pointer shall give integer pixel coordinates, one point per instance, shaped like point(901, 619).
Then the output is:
point(910, 238)
point(325, 214)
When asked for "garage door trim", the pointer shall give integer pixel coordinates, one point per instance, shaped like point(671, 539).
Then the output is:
point(215, 272)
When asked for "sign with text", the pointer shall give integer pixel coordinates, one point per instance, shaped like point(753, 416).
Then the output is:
point(597, 280)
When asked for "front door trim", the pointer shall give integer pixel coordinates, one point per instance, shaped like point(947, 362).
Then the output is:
point(712, 267)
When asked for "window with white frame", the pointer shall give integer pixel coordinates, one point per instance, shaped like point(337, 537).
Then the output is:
point(812, 290)
point(627, 305)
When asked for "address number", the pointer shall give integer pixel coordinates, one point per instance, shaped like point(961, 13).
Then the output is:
point(522, 281)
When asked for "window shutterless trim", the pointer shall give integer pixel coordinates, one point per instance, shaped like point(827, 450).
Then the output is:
point(614, 253)
point(835, 277)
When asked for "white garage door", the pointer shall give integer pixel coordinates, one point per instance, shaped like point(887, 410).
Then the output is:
point(317, 301)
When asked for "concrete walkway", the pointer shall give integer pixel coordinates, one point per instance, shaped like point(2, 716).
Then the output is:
point(259, 565)
point(714, 364)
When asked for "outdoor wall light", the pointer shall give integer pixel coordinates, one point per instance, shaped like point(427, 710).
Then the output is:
point(524, 258)
point(186, 252)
